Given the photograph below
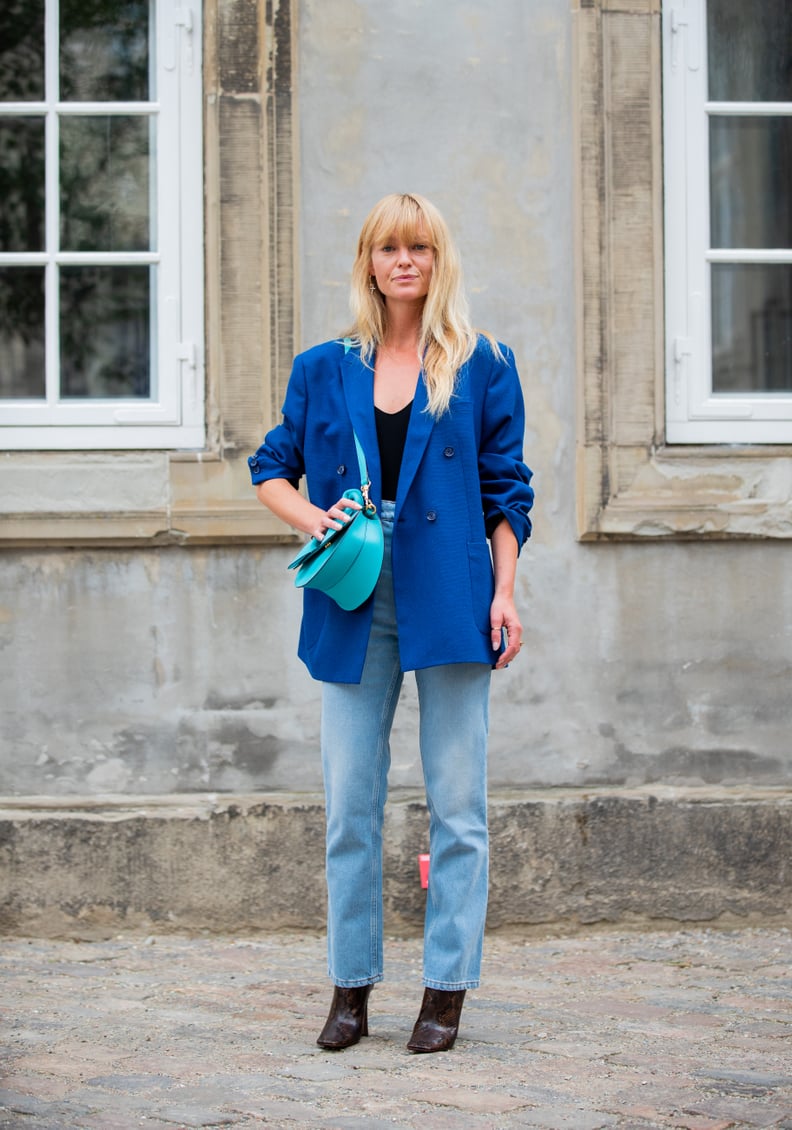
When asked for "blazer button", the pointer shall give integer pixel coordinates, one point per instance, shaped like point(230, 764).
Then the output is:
point(431, 515)
point(253, 463)
point(448, 452)
point(341, 469)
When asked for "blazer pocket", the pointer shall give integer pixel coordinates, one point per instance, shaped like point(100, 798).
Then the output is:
point(482, 583)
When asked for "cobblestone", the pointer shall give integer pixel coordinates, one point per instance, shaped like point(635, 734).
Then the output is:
point(687, 1029)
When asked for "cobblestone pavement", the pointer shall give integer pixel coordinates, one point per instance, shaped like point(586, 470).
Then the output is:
point(685, 1029)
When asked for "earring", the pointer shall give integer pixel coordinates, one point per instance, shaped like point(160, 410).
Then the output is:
point(372, 285)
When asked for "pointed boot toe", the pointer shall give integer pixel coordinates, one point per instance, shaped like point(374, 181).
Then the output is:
point(438, 1021)
point(347, 1020)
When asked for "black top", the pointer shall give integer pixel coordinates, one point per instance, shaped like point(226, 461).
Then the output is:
point(391, 435)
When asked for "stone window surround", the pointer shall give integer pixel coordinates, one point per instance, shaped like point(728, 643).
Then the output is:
point(95, 498)
point(631, 484)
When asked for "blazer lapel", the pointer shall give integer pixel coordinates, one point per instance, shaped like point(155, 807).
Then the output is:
point(418, 432)
point(358, 383)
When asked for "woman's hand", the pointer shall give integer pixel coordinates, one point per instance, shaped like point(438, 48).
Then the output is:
point(503, 611)
point(503, 616)
point(335, 518)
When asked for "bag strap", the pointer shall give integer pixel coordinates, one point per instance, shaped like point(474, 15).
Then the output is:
point(361, 458)
point(365, 481)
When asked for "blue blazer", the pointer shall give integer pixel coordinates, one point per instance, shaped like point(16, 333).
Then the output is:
point(460, 475)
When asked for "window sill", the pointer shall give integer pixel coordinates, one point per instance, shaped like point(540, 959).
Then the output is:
point(135, 499)
point(695, 493)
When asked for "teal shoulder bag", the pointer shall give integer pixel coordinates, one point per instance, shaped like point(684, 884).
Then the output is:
point(346, 563)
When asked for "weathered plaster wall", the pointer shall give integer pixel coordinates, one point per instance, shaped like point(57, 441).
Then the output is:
point(173, 670)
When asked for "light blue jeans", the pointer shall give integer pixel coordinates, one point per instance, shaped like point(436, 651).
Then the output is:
point(356, 726)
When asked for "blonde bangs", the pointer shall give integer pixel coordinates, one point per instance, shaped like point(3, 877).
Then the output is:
point(401, 217)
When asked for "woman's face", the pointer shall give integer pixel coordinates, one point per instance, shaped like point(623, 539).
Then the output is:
point(403, 269)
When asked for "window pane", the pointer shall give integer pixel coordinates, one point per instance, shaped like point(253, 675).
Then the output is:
point(751, 182)
point(104, 183)
point(749, 50)
point(751, 327)
point(105, 332)
point(22, 51)
point(22, 332)
point(21, 184)
point(104, 50)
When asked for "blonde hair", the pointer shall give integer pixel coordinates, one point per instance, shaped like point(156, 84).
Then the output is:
point(447, 338)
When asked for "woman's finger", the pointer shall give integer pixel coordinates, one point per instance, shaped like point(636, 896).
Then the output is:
point(336, 517)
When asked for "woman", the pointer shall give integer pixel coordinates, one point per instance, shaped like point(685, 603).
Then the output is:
point(438, 411)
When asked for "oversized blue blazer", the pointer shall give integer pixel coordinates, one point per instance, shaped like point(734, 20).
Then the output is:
point(460, 475)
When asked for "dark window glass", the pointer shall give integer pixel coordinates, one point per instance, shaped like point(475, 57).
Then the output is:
point(104, 50)
point(751, 181)
point(105, 332)
point(21, 184)
point(104, 183)
point(749, 50)
point(22, 51)
point(22, 332)
point(751, 327)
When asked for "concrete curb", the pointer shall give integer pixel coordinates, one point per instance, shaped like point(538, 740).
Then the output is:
point(89, 867)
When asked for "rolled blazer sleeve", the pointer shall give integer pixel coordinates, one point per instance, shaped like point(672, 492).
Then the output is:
point(505, 480)
point(280, 456)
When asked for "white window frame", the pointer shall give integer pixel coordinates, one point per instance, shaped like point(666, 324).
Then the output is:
point(693, 413)
point(173, 417)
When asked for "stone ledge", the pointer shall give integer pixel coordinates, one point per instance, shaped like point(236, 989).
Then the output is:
point(88, 867)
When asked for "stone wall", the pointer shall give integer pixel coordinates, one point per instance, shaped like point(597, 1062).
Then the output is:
point(559, 860)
